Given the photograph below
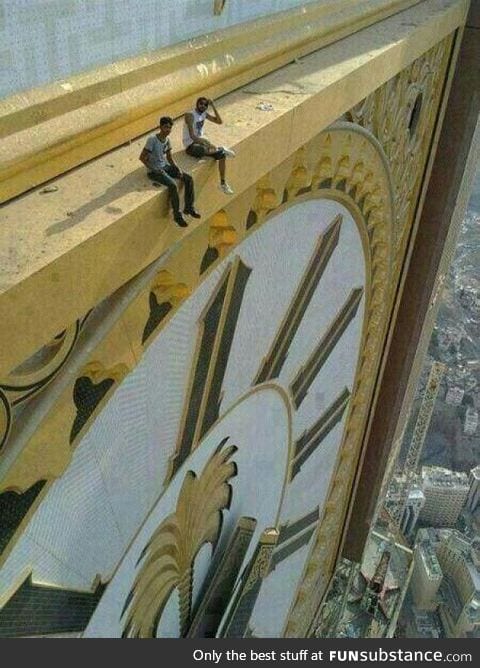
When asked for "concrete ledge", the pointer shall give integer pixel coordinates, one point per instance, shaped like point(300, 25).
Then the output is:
point(62, 253)
point(49, 130)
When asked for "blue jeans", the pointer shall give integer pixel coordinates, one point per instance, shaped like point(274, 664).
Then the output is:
point(166, 177)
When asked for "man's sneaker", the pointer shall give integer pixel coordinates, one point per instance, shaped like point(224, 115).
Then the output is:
point(180, 220)
point(226, 188)
point(230, 153)
point(192, 212)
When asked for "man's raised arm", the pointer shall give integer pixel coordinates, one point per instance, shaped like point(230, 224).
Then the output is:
point(217, 118)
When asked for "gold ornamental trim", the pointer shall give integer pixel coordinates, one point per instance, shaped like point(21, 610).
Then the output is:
point(401, 114)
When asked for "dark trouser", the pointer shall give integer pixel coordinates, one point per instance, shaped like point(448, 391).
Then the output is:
point(201, 151)
point(166, 177)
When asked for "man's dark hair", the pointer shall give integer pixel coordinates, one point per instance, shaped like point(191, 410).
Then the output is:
point(166, 120)
point(202, 99)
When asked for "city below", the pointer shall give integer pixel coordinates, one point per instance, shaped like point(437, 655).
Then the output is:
point(420, 573)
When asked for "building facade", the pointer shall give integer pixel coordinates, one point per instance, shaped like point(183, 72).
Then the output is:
point(427, 574)
point(460, 595)
point(473, 497)
point(189, 418)
point(445, 580)
point(445, 495)
point(413, 508)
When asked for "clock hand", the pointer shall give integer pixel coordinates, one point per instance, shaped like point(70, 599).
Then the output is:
point(238, 615)
point(319, 356)
point(213, 348)
point(218, 593)
point(274, 361)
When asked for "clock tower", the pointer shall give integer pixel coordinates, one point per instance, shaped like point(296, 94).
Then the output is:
point(190, 418)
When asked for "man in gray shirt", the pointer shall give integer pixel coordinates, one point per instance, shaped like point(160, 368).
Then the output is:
point(157, 157)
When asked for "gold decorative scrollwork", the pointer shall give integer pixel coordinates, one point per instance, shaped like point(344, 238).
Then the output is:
point(167, 289)
point(167, 559)
point(222, 236)
point(165, 294)
point(266, 200)
point(33, 375)
point(401, 114)
point(300, 177)
point(90, 389)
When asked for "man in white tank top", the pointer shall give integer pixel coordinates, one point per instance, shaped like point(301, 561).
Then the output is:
point(198, 146)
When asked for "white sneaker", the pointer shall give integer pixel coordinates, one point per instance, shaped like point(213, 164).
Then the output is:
point(230, 153)
point(226, 189)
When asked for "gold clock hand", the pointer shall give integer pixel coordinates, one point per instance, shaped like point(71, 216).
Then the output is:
point(238, 616)
point(274, 361)
point(213, 348)
point(317, 359)
point(218, 593)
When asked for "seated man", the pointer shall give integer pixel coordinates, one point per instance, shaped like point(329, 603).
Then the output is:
point(157, 157)
point(198, 146)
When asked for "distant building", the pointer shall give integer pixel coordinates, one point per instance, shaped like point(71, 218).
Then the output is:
point(365, 602)
point(446, 580)
point(423, 624)
point(427, 574)
point(459, 607)
point(454, 395)
point(473, 498)
point(415, 503)
point(471, 421)
point(445, 495)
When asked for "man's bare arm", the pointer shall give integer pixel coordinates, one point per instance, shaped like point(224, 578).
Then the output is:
point(145, 156)
point(171, 160)
point(217, 118)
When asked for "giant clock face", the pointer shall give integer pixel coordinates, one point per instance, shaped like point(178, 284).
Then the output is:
point(221, 445)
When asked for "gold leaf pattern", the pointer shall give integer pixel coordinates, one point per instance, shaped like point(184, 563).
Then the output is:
point(167, 559)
